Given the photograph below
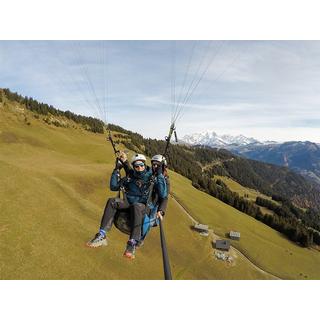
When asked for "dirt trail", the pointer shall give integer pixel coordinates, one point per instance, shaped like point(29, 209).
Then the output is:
point(215, 236)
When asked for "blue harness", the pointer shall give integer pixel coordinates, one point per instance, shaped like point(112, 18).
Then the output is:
point(149, 221)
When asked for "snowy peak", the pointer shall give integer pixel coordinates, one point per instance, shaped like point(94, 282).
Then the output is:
point(239, 140)
point(214, 140)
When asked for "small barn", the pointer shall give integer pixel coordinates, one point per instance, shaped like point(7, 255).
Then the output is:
point(223, 245)
point(202, 228)
point(234, 235)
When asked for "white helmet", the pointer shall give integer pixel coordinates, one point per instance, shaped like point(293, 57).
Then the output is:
point(159, 158)
point(138, 157)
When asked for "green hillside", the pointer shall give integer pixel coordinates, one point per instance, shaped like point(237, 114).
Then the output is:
point(54, 184)
point(251, 194)
point(264, 246)
point(248, 193)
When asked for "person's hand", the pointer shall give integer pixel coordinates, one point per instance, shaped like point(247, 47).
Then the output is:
point(123, 156)
point(118, 164)
point(157, 169)
point(159, 215)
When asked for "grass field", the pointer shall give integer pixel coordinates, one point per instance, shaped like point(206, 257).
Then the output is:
point(247, 193)
point(264, 246)
point(237, 187)
point(54, 185)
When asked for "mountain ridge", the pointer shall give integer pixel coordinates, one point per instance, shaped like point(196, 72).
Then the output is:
point(227, 141)
point(302, 157)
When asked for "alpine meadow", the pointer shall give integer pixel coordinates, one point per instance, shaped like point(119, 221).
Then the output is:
point(55, 169)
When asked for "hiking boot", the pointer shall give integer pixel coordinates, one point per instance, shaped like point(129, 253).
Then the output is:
point(98, 241)
point(130, 249)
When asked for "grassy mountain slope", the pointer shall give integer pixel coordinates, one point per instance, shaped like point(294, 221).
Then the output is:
point(267, 178)
point(54, 187)
point(54, 184)
point(251, 194)
point(264, 246)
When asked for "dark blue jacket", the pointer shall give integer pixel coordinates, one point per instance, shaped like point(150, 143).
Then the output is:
point(137, 185)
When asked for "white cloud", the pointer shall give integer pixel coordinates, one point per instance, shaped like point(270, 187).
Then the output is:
point(262, 88)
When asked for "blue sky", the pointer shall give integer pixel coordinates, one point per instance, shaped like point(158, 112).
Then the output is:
point(268, 90)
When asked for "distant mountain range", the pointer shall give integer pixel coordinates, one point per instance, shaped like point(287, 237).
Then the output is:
point(226, 141)
point(300, 156)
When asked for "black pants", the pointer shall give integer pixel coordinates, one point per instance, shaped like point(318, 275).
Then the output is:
point(110, 210)
point(136, 212)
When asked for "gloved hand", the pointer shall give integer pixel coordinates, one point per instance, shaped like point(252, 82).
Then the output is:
point(123, 156)
point(159, 170)
point(160, 215)
point(118, 164)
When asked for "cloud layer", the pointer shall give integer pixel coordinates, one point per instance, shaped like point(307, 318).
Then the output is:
point(265, 89)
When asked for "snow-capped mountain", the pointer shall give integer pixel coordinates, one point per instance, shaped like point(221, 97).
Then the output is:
point(212, 139)
point(300, 156)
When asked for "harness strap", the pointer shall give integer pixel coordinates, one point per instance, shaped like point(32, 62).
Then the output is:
point(150, 192)
point(124, 195)
point(149, 201)
point(123, 192)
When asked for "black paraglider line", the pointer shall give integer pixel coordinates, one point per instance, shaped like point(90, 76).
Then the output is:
point(193, 86)
point(85, 81)
point(173, 78)
point(203, 56)
point(85, 71)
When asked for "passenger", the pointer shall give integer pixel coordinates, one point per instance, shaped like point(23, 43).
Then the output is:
point(159, 205)
point(159, 161)
point(136, 185)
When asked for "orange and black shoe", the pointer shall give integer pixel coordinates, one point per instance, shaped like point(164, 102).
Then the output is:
point(130, 249)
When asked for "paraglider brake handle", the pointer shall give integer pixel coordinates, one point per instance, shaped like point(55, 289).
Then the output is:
point(175, 136)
